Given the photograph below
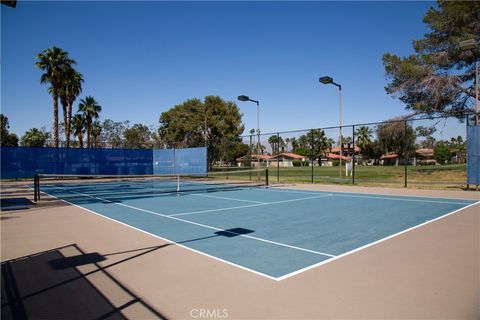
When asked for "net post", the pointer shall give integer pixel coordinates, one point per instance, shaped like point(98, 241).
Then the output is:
point(178, 183)
point(35, 188)
point(174, 161)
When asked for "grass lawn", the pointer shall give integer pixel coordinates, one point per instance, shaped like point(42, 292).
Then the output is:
point(432, 176)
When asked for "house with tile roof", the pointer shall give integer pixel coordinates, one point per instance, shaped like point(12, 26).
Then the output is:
point(285, 159)
point(261, 159)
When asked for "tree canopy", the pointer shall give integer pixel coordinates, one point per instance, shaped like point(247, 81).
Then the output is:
point(397, 137)
point(35, 138)
point(56, 65)
point(138, 137)
point(7, 139)
point(213, 122)
point(439, 76)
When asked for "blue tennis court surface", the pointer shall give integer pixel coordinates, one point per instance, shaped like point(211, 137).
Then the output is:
point(272, 232)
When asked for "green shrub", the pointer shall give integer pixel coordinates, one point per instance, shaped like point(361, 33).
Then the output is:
point(442, 153)
point(297, 163)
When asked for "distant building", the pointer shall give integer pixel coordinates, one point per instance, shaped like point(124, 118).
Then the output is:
point(262, 159)
point(424, 156)
point(389, 159)
point(285, 159)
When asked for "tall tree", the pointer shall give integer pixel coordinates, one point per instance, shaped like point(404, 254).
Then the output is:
point(54, 62)
point(7, 139)
point(72, 87)
point(138, 136)
point(317, 141)
point(96, 130)
point(184, 125)
point(427, 133)
point(439, 76)
point(78, 126)
point(294, 143)
point(364, 137)
point(276, 143)
point(287, 144)
point(91, 110)
point(113, 132)
point(34, 138)
point(395, 136)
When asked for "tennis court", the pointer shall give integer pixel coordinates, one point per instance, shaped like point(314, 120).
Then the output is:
point(273, 232)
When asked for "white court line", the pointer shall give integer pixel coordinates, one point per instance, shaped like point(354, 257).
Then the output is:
point(225, 198)
point(372, 243)
point(247, 206)
point(379, 197)
point(260, 273)
point(204, 225)
point(165, 239)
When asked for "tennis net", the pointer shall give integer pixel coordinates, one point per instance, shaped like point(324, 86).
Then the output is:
point(124, 186)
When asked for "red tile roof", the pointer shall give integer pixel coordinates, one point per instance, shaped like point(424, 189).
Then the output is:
point(337, 149)
point(290, 155)
point(426, 152)
point(336, 156)
point(389, 156)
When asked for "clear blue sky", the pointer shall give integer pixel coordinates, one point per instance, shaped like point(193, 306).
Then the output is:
point(141, 58)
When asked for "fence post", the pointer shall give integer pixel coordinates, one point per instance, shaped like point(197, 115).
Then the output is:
point(466, 152)
point(353, 155)
point(311, 155)
point(405, 152)
point(278, 157)
point(250, 157)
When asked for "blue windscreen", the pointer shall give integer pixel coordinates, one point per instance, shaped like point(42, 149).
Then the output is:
point(191, 160)
point(180, 161)
point(23, 162)
point(473, 154)
point(163, 161)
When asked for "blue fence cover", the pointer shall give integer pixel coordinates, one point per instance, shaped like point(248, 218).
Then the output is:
point(25, 162)
point(180, 161)
point(473, 154)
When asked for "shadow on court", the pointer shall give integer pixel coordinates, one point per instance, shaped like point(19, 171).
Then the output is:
point(17, 203)
point(48, 284)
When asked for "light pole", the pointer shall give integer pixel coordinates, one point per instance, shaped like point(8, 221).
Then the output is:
point(329, 80)
point(246, 98)
point(467, 45)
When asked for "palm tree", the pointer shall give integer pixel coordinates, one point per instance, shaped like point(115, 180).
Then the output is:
point(364, 137)
point(72, 87)
point(78, 126)
point(54, 62)
point(273, 141)
point(294, 143)
point(91, 109)
point(329, 144)
point(96, 130)
point(34, 138)
point(287, 142)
